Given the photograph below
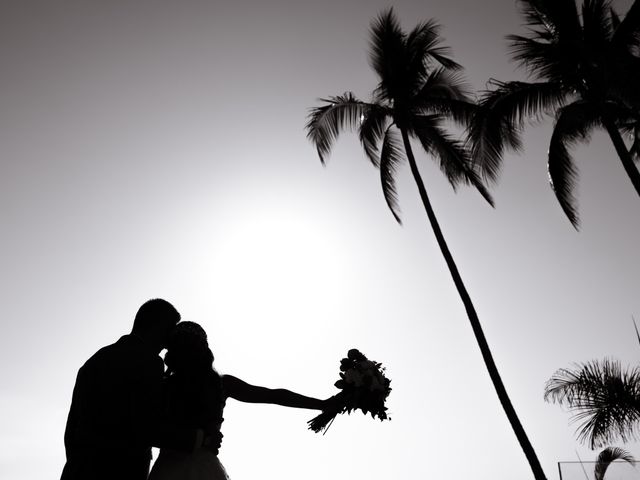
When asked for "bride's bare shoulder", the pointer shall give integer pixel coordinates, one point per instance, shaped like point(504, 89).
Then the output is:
point(232, 385)
point(240, 390)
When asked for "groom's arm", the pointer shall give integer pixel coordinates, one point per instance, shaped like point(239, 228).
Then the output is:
point(244, 392)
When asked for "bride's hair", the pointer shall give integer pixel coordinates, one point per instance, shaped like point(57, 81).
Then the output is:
point(188, 351)
point(196, 385)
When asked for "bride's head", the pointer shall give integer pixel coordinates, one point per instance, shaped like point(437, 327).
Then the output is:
point(188, 350)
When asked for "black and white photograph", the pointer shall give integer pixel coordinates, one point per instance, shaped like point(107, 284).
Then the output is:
point(346, 240)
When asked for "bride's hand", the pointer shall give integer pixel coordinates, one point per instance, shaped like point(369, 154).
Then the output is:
point(332, 404)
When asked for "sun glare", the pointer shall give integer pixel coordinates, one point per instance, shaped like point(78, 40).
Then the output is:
point(278, 266)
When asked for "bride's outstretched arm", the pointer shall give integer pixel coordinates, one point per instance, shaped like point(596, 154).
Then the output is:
point(244, 392)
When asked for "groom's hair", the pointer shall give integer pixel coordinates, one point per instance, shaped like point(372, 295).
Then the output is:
point(153, 313)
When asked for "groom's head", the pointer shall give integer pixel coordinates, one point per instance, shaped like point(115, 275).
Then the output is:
point(154, 321)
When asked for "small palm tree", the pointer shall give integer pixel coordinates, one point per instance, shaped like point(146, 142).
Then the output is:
point(608, 456)
point(603, 397)
point(419, 91)
point(586, 74)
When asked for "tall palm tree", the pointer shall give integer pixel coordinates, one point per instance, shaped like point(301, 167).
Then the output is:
point(603, 397)
point(585, 70)
point(419, 90)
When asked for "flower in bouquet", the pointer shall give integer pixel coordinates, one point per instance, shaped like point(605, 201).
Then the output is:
point(363, 386)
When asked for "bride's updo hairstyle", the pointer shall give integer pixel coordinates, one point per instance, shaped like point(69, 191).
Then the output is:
point(195, 387)
point(188, 352)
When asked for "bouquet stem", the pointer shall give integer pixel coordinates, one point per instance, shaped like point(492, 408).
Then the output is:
point(322, 422)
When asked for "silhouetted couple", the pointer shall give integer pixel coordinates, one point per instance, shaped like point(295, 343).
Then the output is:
point(124, 403)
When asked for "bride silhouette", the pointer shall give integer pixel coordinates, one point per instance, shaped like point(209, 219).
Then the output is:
point(195, 395)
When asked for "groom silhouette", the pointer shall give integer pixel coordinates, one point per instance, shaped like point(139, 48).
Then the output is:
point(116, 409)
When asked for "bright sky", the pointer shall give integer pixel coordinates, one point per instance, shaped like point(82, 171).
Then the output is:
point(157, 149)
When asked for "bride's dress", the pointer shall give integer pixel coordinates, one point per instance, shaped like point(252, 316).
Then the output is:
point(192, 404)
point(202, 464)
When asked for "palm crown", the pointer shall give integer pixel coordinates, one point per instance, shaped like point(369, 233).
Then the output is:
point(419, 89)
point(604, 398)
point(586, 74)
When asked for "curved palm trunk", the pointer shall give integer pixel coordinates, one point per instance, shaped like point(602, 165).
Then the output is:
point(623, 153)
point(526, 446)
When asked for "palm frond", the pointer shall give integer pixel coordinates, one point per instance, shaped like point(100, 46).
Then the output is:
point(574, 123)
point(501, 115)
point(518, 102)
point(626, 118)
point(603, 397)
point(596, 23)
point(446, 93)
point(374, 123)
point(606, 457)
point(635, 146)
point(545, 60)
point(424, 45)
point(390, 158)
point(625, 34)
point(553, 48)
point(624, 61)
point(387, 54)
point(454, 159)
point(614, 18)
point(445, 83)
point(459, 111)
point(342, 112)
point(560, 17)
point(623, 76)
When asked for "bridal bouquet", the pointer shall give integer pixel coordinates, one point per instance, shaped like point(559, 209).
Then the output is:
point(363, 386)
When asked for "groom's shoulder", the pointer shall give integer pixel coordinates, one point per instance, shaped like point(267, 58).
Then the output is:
point(126, 349)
